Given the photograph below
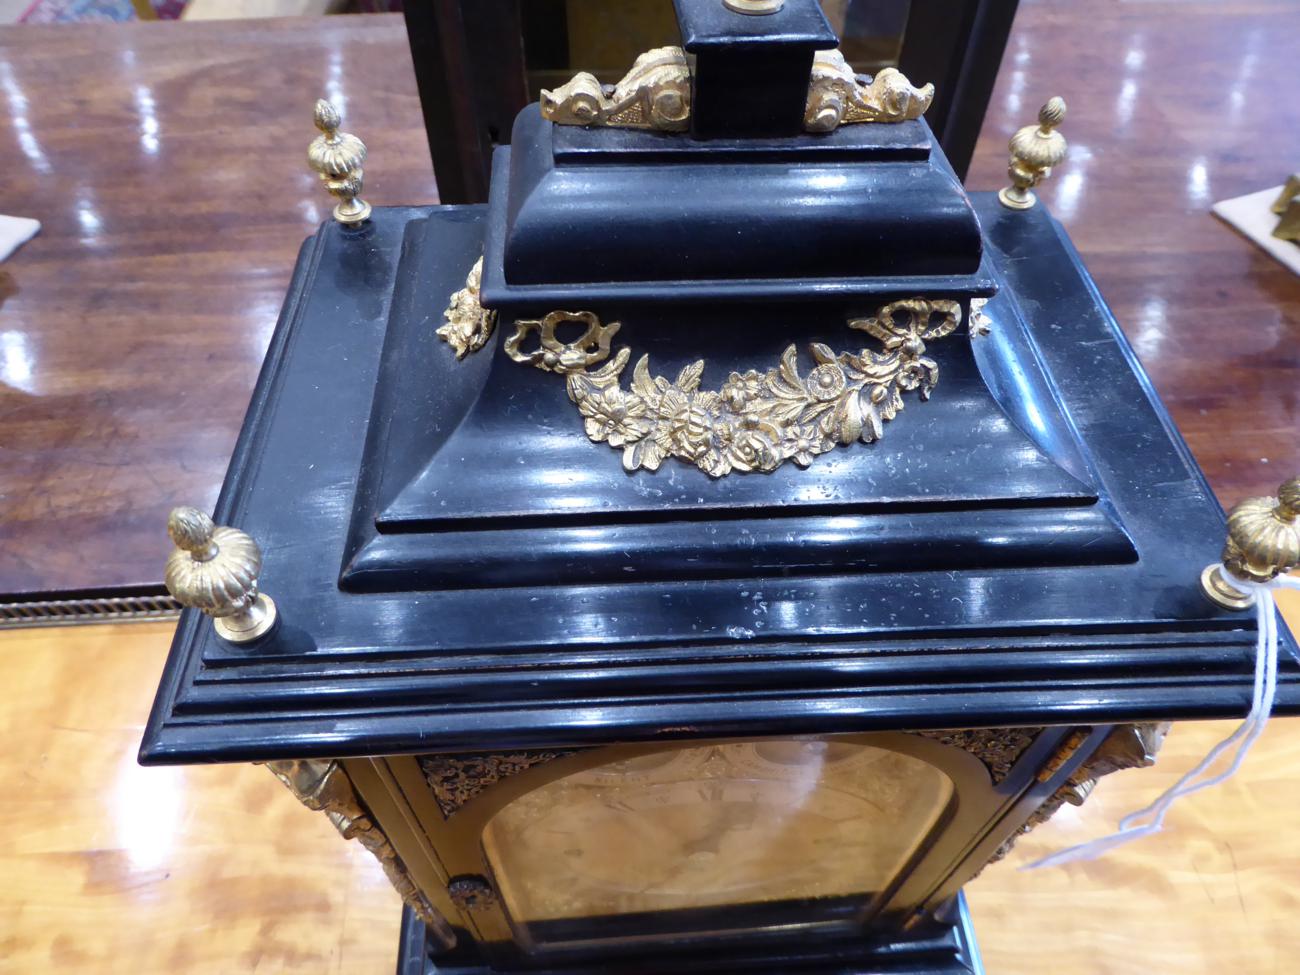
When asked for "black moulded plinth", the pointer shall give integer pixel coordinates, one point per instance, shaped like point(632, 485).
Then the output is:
point(941, 948)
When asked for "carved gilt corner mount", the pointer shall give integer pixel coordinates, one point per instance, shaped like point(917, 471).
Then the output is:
point(323, 785)
point(469, 325)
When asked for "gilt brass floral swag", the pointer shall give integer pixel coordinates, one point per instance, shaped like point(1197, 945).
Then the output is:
point(757, 420)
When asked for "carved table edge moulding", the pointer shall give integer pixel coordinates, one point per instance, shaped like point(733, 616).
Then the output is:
point(656, 94)
point(756, 421)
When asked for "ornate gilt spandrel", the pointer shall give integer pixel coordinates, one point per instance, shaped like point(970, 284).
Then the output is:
point(1127, 746)
point(998, 749)
point(323, 786)
point(456, 779)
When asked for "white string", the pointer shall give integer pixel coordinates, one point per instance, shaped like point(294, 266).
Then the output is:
point(1261, 704)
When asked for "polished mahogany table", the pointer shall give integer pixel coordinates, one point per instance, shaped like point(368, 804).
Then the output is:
point(167, 163)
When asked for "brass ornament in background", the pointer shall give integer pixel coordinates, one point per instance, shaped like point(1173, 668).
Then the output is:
point(469, 324)
point(1263, 542)
point(323, 786)
point(456, 779)
point(337, 158)
point(756, 421)
point(654, 94)
point(1035, 149)
point(215, 569)
point(836, 97)
point(1287, 206)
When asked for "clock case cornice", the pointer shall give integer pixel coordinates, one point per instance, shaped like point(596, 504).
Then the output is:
point(951, 636)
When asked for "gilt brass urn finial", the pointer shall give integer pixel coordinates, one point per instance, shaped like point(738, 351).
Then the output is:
point(337, 158)
point(1035, 149)
point(1263, 542)
point(215, 569)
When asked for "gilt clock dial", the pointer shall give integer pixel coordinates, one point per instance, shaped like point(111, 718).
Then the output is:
point(712, 826)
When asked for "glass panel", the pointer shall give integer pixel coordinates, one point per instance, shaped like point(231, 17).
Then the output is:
point(747, 823)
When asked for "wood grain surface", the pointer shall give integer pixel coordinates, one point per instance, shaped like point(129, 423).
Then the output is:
point(109, 867)
point(1174, 105)
point(166, 161)
point(167, 164)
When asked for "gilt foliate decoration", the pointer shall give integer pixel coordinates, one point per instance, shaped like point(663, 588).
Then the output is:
point(756, 421)
point(1127, 746)
point(656, 94)
point(998, 749)
point(836, 97)
point(456, 779)
point(469, 324)
point(324, 786)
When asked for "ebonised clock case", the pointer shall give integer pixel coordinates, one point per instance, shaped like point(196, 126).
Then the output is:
point(956, 635)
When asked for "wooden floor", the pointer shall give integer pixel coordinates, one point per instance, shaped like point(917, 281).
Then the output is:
point(108, 867)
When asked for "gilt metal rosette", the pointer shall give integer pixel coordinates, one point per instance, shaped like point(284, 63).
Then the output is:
point(754, 422)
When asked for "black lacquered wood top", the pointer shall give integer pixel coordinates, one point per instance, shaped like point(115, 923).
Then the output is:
point(750, 76)
point(886, 645)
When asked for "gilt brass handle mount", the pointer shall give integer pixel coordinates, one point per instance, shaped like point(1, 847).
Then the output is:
point(214, 569)
point(1263, 542)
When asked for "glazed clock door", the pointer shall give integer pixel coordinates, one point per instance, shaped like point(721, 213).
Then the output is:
point(711, 839)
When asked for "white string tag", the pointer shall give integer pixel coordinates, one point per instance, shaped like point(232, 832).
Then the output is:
point(1151, 819)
